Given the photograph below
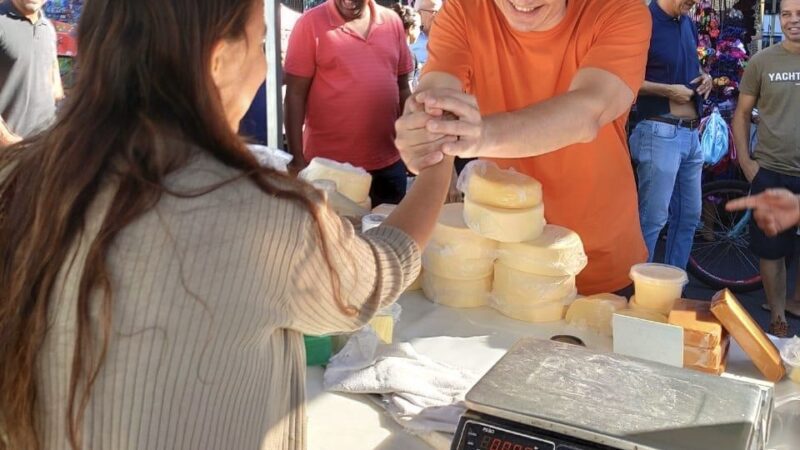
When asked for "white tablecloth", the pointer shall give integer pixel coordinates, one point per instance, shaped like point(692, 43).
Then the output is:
point(348, 422)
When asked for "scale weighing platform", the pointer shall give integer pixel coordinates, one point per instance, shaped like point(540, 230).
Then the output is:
point(545, 395)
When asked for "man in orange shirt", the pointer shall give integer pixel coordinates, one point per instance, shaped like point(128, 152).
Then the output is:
point(543, 86)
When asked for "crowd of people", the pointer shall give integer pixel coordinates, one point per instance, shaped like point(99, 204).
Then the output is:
point(152, 269)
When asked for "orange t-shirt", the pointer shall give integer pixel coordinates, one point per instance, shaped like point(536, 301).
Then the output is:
point(588, 188)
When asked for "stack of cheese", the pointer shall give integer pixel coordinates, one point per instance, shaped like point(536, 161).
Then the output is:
point(705, 341)
point(458, 263)
point(534, 276)
point(352, 182)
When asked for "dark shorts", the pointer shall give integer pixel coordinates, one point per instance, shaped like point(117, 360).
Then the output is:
point(389, 184)
point(782, 245)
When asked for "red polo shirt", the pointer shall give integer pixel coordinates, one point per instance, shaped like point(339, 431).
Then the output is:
point(354, 98)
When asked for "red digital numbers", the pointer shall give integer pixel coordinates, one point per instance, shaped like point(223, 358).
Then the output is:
point(499, 444)
point(496, 443)
point(507, 445)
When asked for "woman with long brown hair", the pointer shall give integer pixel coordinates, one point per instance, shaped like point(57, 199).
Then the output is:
point(154, 281)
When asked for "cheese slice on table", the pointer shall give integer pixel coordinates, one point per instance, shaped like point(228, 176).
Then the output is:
point(596, 312)
point(520, 288)
point(644, 314)
point(557, 252)
point(504, 225)
point(748, 335)
point(490, 185)
point(700, 327)
point(352, 182)
point(537, 313)
point(707, 358)
point(456, 293)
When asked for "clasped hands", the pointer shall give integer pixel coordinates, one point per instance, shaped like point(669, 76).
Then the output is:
point(439, 122)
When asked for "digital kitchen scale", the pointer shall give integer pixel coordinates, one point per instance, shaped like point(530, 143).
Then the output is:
point(545, 395)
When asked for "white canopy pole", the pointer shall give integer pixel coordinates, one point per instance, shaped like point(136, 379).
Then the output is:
point(272, 14)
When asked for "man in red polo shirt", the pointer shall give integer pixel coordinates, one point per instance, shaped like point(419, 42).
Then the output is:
point(347, 69)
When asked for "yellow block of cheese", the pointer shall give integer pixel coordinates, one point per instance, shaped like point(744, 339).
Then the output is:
point(456, 293)
point(538, 313)
point(557, 252)
point(489, 185)
point(352, 182)
point(596, 312)
point(512, 286)
point(504, 225)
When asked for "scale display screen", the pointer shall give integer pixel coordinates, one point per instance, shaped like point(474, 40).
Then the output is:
point(484, 432)
point(484, 437)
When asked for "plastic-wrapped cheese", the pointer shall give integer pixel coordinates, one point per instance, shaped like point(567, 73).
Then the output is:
point(596, 312)
point(512, 286)
point(542, 312)
point(352, 182)
point(504, 225)
point(484, 182)
point(457, 252)
point(456, 293)
point(557, 252)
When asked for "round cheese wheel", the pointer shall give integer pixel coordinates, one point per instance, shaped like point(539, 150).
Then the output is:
point(452, 238)
point(557, 252)
point(490, 185)
point(352, 182)
point(504, 225)
point(512, 286)
point(446, 263)
point(545, 312)
point(456, 293)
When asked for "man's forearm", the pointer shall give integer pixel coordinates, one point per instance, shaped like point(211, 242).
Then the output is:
point(541, 128)
point(295, 117)
point(656, 89)
point(740, 126)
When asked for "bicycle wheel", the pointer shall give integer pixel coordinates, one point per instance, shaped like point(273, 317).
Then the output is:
point(721, 256)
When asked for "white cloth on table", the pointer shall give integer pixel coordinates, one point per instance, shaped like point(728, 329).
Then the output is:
point(419, 393)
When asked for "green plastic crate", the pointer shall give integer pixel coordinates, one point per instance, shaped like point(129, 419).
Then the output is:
point(318, 350)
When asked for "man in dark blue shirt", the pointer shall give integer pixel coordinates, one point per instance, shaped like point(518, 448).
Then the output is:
point(665, 143)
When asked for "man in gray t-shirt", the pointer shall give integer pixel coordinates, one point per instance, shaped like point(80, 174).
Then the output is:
point(772, 83)
point(30, 83)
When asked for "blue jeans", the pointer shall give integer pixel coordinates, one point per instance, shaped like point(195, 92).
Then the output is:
point(669, 164)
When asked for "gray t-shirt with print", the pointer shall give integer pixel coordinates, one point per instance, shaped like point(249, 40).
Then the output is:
point(773, 77)
point(27, 61)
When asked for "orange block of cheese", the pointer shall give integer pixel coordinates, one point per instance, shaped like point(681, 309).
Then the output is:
point(719, 370)
point(748, 335)
point(700, 328)
point(709, 358)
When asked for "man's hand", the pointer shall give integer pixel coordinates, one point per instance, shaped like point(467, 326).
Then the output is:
point(419, 148)
point(705, 84)
point(749, 167)
point(680, 94)
point(775, 210)
point(458, 115)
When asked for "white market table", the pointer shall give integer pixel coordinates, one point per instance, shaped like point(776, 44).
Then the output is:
point(351, 422)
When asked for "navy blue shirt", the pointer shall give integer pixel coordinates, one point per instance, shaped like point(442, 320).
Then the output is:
point(672, 59)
